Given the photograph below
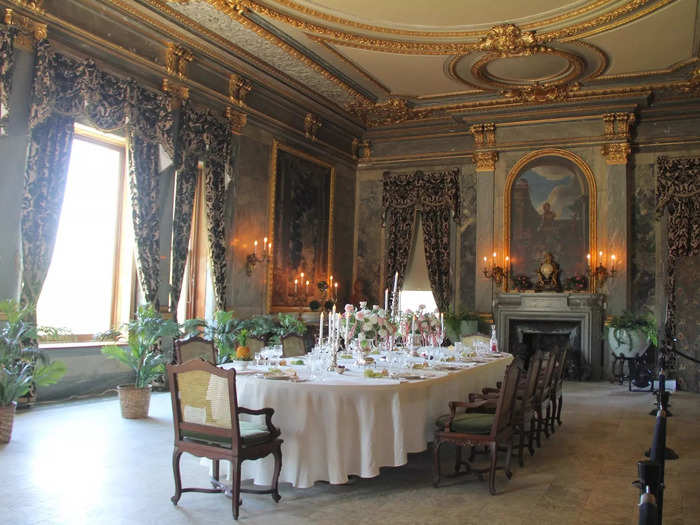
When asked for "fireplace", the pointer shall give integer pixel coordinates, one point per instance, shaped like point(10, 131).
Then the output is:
point(526, 322)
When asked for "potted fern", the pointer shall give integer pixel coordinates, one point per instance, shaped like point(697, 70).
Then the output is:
point(21, 363)
point(142, 355)
point(628, 334)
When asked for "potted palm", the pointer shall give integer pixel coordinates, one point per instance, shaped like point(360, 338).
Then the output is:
point(21, 363)
point(628, 334)
point(142, 355)
point(458, 324)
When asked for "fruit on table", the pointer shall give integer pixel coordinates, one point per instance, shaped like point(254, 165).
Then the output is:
point(243, 352)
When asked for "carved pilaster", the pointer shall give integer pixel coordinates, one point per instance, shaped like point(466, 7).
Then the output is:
point(177, 58)
point(237, 120)
point(485, 156)
point(238, 89)
point(311, 125)
point(618, 129)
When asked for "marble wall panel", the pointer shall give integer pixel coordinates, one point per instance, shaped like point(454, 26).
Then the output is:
point(688, 322)
point(467, 240)
point(369, 240)
point(642, 254)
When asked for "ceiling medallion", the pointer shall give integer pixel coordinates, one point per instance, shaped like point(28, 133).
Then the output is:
point(394, 110)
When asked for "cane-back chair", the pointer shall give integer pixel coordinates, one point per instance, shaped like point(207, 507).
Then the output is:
point(293, 345)
point(255, 344)
point(207, 424)
point(194, 348)
point(472, 429)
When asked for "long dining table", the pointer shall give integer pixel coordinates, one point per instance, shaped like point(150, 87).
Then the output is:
point(350, 424)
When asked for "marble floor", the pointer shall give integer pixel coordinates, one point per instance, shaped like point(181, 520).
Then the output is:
point(80, 463)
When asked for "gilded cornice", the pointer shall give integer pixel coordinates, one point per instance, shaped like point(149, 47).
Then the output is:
point(541, 94)
point(30, 31)
point(394, 110)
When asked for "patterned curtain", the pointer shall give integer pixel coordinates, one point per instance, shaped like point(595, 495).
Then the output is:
point(436, 196)
point(44, 185)
point(204, 136)
point(7, 66)
point(678, 194)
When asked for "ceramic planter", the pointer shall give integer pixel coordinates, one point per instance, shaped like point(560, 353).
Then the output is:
point(632, 342)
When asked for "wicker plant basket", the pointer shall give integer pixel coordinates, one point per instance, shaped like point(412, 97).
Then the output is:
point(134, 401)
point(7, 416)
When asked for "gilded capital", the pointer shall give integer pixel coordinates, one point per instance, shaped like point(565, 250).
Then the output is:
point(618, 130)
point(311, 125)
point(177, 58)
point(485, 160)
point(484, 134)
point(616, 153)
point(238, 89)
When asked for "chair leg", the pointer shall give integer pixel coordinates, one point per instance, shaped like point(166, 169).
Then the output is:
point(509, 452)
point(436, 463)
point(276, 475)
point(545, 421)
point(492, 469)
point(458, 459)
point(561, 399)
point(538, 430)
point(236, 487)
point(531, 435)
point(215, 469)
point(521, 442)
point(550, 421)
point(176, 474)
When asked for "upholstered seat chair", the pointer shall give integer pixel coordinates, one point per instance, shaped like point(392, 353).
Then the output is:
point(207, 423)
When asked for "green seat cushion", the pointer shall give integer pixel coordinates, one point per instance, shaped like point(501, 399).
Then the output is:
point(467, 423)
point(251, 434)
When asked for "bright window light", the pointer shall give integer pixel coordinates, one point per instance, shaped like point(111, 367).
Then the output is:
point(412, 299)
point(79, 287)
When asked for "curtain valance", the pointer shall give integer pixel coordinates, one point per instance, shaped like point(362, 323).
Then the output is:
point(422, 191)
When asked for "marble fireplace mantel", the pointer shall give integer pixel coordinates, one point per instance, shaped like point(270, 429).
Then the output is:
point(587, 309)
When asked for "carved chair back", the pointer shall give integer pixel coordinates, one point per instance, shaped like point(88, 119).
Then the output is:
point(194, 348)
point(533, 374)
point(255, 344)
point(503, 418)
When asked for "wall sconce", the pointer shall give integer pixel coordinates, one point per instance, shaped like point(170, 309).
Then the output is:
point(601, 273)
point(252, 259)
point(498, 274)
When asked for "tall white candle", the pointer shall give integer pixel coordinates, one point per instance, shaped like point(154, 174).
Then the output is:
point(320, 330)
point(396, 282)
point(347, 327)
point(413, 329)
point(386, 299)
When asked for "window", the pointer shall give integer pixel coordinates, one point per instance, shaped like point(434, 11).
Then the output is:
point(416, 287)
point(90, 284)
point(197, 294)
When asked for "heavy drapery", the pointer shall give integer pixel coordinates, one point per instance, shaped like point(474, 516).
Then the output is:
point(65, 88)
point(678, 195)
point(202, 136)
point(7, 66)
point(436, 196)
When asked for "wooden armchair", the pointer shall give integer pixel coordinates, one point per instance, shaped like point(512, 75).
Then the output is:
point(524, 419)
point(255, 344)
point(474, 429)
point(206, 423)
point(293, 345)
point(194, 348)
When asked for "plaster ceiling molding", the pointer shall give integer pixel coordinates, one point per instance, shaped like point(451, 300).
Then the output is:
point(394, 110)
point(202, 12)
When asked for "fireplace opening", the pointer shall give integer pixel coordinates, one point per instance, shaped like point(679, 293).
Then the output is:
point(527, 337)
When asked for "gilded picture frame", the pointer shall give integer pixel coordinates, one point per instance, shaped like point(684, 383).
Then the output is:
point(295, 251)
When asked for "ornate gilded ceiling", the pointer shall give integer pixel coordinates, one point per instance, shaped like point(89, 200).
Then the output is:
point(394, 60)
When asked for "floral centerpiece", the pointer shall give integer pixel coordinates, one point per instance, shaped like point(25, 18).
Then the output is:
point(429, 325)
point(368, 326)
point(577, 283)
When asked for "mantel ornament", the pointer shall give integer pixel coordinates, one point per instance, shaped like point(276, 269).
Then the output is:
point(548, 275)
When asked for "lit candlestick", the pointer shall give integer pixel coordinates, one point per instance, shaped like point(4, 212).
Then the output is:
point(320, 330)
point(335, 290)
point(485, 261)
point(269, 247)
point(507, 264)
point(600, 258)
point(330, 280)
point(493, 260)
point(413, 329)
point(330, 327)
point(396, 283)
point(588, 259)
point(347, 327)
point(386, 299)
point(612, 261)
point(442, 323)
point(302, 276)
point(255, 248)
point(296, 282)
point(307, 287)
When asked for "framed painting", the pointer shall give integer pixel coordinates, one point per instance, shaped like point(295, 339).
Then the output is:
point(550, 207)
point(300, 229)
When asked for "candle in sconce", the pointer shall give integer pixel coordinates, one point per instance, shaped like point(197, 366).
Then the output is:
point(493, 260)
point(507, 264)
point(302, 276)
point(588, 259)
point(485, 261)
point(335, 290)
point(296, 282)
point(307, 286)
point(330, 280)
point(255, 248)
point(612, 261)
point(601, 260)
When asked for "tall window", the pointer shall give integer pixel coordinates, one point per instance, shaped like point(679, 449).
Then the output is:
point(89, 286)
point(416, 287)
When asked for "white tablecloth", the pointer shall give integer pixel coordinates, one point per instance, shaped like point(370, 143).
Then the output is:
point(354, 425)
